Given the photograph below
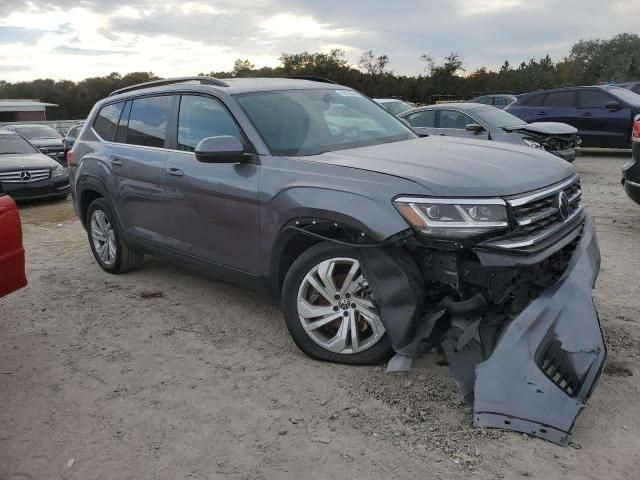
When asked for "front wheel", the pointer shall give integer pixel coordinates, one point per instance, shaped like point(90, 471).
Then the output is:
point(328, 307)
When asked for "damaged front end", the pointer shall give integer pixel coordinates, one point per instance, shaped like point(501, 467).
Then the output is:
point(513, 314)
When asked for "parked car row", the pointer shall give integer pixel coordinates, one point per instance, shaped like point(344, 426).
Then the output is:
point(26, 173)
point(483, 122)
point(631, 171)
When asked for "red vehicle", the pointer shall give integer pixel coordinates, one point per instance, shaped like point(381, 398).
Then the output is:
point(12, 274)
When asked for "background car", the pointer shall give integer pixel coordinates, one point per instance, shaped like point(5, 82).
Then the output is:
point(26, 174)
point(603, 115)
point(12, 274)
point(394, 105)
point(633, 86)
point(472, 120)
point(631, 171)
point(45, 138)
point(496, 100)
point(70, 138)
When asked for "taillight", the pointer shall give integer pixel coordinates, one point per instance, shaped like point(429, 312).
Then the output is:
point(71, 161)
point(635, 136)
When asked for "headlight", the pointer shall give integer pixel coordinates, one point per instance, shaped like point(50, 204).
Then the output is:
point(531, 143)
point(59, 170)
point(454, 218)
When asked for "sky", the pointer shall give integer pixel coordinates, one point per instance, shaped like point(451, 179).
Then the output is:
point(75, 39)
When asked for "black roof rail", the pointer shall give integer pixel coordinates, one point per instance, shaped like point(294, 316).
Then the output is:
point(171, 81)
point(313, 79)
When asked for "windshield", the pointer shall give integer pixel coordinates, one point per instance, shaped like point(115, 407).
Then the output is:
point(14, 144)
point(626, 95)
point(397, 107)
point(36, 132)
point(310, 122)
point(496, 118)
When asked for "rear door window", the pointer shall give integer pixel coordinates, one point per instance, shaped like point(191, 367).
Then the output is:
point(424, 119)
point(594, 99)
point(202, 117)
point(148, 121)
point(535, 101)
point(562, 99)
point(453, 119)
point(107, 120)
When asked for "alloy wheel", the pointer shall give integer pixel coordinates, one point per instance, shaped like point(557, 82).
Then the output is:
point(335, 307)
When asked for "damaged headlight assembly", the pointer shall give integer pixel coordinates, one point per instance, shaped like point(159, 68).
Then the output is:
point(450, 218)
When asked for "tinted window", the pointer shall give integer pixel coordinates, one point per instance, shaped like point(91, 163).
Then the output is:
point(625, 95)
point(121, 133)
point(397, 107)
point(497, 118)
point(534, 101)
point(12, 143)
point(425, 119)
point(36, 132)
point(559, 99)
point(636, 89)
point(451, 119)
point(107, 120)
point(148, 121)
point(594, 99)
point(483, 100)
point(202, 117)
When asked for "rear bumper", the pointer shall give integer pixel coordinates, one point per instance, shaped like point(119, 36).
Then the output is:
point(55, 187)
point(558, 332)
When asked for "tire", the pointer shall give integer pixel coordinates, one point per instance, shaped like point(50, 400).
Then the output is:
point(120, 258)
point(372, 344)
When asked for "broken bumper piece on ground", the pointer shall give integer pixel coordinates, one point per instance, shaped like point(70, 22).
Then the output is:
point(531, 372)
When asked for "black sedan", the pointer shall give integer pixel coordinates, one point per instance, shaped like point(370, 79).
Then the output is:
point(45, 138)
point(631, 171)
point(27, 174)
point(483, 122)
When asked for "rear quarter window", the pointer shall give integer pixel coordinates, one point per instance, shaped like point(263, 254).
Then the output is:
point(107, 120)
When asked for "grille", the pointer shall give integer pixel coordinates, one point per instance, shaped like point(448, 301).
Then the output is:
point(538, 217)
point(25, 176)
point(556, 365)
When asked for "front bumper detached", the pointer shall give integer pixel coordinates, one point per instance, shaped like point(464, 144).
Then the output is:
point(548, 360)
point(545, 362)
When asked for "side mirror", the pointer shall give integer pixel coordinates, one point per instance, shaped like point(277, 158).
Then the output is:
point(220, 149)
point(474, 127)
point(613, 105)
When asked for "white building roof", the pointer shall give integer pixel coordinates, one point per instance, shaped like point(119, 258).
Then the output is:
point(14, 105)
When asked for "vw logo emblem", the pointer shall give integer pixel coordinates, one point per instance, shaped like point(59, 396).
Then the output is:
point(344, 303)
point(25, 176)
point(563, 205)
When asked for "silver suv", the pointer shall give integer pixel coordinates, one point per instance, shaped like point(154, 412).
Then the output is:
point(373, 240)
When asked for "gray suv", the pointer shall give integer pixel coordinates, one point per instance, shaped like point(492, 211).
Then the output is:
point(373, 240)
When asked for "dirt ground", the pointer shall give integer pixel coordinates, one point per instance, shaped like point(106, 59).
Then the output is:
point(165, 374)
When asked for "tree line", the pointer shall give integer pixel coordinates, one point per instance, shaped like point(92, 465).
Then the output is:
point(589, 62)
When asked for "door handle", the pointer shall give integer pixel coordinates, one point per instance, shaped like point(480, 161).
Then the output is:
point(176, 172)
point(586, 114)
point(541, 113)
point(116, 161)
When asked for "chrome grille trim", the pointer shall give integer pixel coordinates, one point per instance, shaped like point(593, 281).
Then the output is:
point(537, 216)
point(16, 176)
point(517, 202)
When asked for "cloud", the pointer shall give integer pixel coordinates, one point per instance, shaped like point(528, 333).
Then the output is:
point(176, 38)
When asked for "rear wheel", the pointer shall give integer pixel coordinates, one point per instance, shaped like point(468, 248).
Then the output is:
point(108, 248)
point(328, 307)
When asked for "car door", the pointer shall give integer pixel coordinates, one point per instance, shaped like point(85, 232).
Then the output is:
point(558, 106)
point(423, 121)
point(137, 159)
point(12, 272)
point(213, 207)
point(600, 126)
point(453, 123)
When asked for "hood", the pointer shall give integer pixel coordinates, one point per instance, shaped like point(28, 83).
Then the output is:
point(11, 162)
point(452, 167)
point(46, 142)
point(545, 128)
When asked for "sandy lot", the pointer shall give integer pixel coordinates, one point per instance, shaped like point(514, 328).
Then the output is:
point(164, 374)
